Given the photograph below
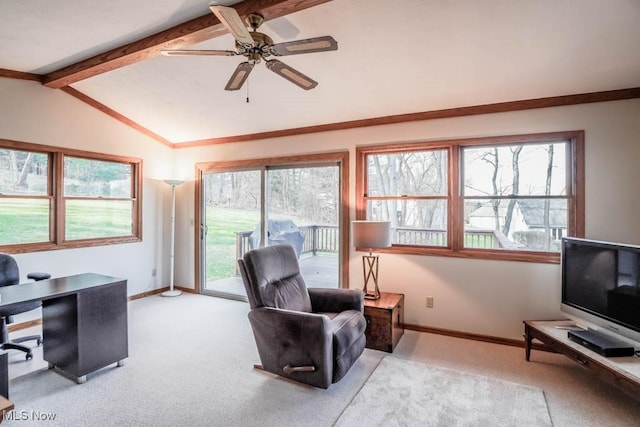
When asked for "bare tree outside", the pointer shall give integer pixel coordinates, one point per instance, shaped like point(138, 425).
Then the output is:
point(22, 172)
point(523, 188)
point(514, 195)
point(409, 189)
point(310, 193)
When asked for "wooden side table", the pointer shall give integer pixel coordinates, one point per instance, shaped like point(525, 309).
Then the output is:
point(385, 321)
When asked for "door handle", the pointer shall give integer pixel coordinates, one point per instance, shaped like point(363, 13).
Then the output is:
point(203, 231)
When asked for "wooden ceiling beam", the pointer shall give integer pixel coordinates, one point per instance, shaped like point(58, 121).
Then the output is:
point(11, 74)
point(194, 31)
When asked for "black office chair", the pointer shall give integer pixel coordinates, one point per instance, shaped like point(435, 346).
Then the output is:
point(10, 275)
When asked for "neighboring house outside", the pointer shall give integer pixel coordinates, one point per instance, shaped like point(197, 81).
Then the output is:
point(527, 223)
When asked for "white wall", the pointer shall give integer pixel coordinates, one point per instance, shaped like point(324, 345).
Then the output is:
point(476, 296)
point(30, 112)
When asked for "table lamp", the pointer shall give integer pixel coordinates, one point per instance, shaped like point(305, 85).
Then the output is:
point(371, 235)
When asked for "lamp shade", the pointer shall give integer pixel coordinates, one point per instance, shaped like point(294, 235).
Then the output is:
point(371, 234)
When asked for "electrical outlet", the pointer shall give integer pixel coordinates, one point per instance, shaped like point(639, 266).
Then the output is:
point(429, 302)
point(153, 272)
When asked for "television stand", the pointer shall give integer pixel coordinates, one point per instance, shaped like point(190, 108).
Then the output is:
point(623, 372)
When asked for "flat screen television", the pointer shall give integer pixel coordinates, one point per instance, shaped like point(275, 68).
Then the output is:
point(601, 285)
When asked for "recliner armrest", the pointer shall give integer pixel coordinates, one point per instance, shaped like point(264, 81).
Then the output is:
point(335, 300)
point(277, 320)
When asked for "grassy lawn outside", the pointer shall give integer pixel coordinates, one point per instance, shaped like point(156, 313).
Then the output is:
point(27, 220)
point(87, 219)
point(24, 221)
point(222, 224)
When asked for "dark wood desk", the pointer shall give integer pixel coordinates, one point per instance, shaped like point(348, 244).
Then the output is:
point(84, 321)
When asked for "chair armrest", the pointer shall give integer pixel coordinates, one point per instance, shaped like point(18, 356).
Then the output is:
point(335, 300)
point(294, 338)
point(297, 327)
point(38, 276)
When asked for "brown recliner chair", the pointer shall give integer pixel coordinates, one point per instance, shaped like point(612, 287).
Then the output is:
point(310, 335)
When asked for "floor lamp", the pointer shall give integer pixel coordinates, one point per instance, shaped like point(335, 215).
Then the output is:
point(370, 235)
point(173, 183)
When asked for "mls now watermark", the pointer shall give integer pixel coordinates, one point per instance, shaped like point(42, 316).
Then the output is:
point(29, 416)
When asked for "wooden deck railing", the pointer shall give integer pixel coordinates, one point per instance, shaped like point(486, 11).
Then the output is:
point(317, 238)
point(486, 239)
point(326, 239)
point(242, 244)
point(320, 238)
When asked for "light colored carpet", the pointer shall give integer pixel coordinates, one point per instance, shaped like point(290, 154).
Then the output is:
point(190, 363)
point(406, 393)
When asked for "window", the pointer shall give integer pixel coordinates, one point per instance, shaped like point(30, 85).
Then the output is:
point(97, 186)
point(25, 197)
point(509, 197)
point(55, 198)
point(410, 189)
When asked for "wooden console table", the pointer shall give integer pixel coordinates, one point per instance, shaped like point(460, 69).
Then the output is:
point(385, 321)
point(623, 372)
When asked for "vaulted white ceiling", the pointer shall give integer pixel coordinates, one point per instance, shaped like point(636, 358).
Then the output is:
point(394, 57)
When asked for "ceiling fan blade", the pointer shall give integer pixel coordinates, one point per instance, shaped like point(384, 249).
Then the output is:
point(233, 23)
point(179, 52)
point(317, 44)
point(239, 76)
point(294, 76)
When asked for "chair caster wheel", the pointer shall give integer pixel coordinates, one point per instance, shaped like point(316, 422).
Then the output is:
point(29, 356)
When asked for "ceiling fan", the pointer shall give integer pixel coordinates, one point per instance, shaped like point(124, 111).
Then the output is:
point(256, 46)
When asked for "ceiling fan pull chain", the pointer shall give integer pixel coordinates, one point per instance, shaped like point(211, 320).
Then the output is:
point(247, 91)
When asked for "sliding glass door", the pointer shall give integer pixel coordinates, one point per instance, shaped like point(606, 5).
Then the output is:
point(243, 209)
point(231, 213)
point(303, 210)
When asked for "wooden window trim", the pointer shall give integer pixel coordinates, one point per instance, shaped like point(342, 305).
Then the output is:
point(455, 229)
point(55, 195)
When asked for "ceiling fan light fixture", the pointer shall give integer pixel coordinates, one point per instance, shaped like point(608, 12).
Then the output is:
point(256, 46)
point(255, 20)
